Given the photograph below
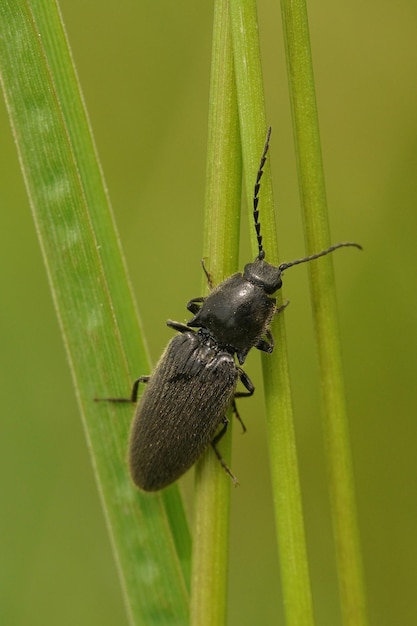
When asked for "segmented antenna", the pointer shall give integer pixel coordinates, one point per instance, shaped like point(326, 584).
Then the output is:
point(261, 252)
point(285, 266)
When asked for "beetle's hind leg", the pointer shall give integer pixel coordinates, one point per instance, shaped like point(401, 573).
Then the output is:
point(134, 393)
point(248, 384)
point(223, 463)
point(237, 416)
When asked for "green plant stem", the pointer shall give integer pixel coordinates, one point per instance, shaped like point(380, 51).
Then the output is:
point(92, 297)
point(281, 438)
point(222, 215)
point(313, 200)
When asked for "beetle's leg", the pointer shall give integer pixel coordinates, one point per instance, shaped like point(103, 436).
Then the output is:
point(268, 346)
point(215, 441)
point(181, 328)
point(135, 387)
point(282, 307)
point(194, 305)
point(237, 416)
point(248, 384)
point(208, 275)
point(246, 381)
point(133, 396)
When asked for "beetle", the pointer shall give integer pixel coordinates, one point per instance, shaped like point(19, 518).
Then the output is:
point(194, 383)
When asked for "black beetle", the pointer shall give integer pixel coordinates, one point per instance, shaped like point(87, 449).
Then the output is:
point(194, 382)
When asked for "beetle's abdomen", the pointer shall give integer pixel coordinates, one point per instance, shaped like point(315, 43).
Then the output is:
point(180, 410)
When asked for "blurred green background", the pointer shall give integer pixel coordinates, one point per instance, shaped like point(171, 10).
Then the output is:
point(144, 69)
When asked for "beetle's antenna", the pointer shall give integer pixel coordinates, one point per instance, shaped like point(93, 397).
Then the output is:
point(261, 252)
point(285, 266)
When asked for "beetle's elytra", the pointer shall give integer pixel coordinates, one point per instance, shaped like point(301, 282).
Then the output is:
point(194, 382)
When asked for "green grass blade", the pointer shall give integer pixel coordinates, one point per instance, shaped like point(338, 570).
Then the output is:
point(92, 298)
point(313, 198)
point(281, 438)
point(222, 214)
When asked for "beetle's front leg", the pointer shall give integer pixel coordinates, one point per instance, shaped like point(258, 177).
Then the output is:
point(195, 304)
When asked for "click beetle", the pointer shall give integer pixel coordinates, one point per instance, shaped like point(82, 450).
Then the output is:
point(194, 383)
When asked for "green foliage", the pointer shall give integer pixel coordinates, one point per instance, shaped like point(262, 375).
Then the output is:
point(144, 72)
point(92, 299)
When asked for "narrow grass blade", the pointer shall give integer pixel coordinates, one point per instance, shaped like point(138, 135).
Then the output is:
point(314, 205)
point(281, 438)
point(91, 295)
point(222, 211)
